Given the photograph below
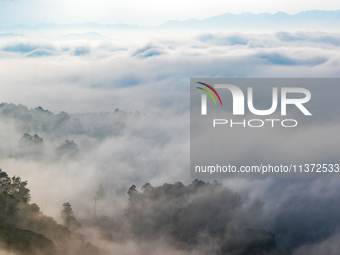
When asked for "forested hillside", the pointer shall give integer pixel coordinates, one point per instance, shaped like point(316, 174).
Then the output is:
point(179, 214)
point(24, 229)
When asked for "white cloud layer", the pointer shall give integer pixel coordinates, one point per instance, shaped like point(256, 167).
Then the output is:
point(150, 74)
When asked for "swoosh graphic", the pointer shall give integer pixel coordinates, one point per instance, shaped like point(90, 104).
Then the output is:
point(212, 90)
point(208, 93)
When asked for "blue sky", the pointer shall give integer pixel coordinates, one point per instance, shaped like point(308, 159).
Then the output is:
point(147, 12)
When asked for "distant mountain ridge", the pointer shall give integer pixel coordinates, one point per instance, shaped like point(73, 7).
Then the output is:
point(307, 19)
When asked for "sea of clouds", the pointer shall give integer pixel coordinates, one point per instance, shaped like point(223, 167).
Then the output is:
point(146, 75)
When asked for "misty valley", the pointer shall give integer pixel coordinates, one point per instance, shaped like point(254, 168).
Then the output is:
point(172, 215)
point(78, 204)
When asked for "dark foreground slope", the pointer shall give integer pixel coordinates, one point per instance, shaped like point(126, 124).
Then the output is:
point(25, 230)
point(25, 242)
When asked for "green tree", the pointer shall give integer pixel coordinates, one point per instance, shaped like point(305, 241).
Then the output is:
point(8, 207)
point(132, 192)
point(147, 187)
point(14, 187)
point(68, 148)
point(70, 220)
point(12, 192)
point(32, 140)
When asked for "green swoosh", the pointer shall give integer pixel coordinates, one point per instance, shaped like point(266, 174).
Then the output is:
point(208, 93)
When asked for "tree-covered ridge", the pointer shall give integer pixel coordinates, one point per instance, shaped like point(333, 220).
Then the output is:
point(199, 218)
point(41, 121)
point(46, 135)
point(24, 229)
point(186, 216)
point(40, 134)
point(95, 125)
